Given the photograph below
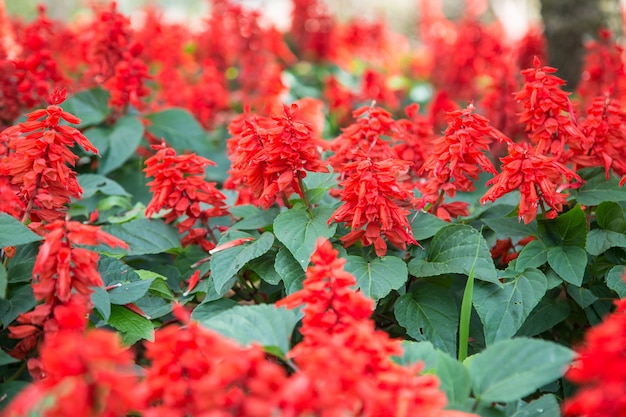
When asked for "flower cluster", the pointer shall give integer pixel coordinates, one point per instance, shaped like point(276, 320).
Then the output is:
point(179, 186)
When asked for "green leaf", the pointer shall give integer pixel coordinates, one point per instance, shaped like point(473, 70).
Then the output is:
point(101, 302)
point(582, 296)
point(159, 283)
point(504, 309)
point(129, 292)
point(378, 277)
point(430, 314)
point(264, 324)
point(289, 270)
point(597, 189)
point(205, 311)
point(259, 219)
point(99, 137)
point(6, 359)
point(123, 141)
point(94, 183)
point(91, 106)
point(4, 281)
point(132, 326)
point(511, 227)
point(20, 301)
point(298, 230)
point(417, 352)
point(533, 255)
point(144, 237)
point(264, 268)
point(426, 225)
point(227, 263)
point(547, 314)
point(317, 184)
point(610, 216)
point(453, 251)
point(9, 389)
point(569, 262)
point(14, 233)
point(180, 130)
point(615, 280)
point(599, 241)
point(512, 369)
point(545, 406)
point(571, 227)
point(113, 271)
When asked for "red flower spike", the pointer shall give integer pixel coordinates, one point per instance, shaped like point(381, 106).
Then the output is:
point(538, 178)
point(193, 281)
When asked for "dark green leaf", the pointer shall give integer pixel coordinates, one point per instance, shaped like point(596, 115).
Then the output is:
point(599, 241)
point(91, 106)
point(20, 301)
point(206, 311)
point(257, 220)
point(583, 297)
point(180, 130)
point(455, 249)
point(298, 230)
point(569, 262)
point(533, 255)
point(114, 271)
point(426, 225)
point(547, 314)
point(123, 141)
point(504, 309)
point(264, 268)
point(317, 184)
point(597, 189)
point(511, 227)
point(289, 270)
point(571, 227)
point(430, 314)
point(99, 137)
point(512, 369)
point(101, 302)
point(615, 280)
point(264, 324)
point(132, 326)
point(545, 406)
point(227, 263)
point(129, 292)
point(144, 236)
point(378, 277)
point(6, 359)
point(153, 306)
point(94, 183)
point(4, 281)
point(610, 216)
point(9, 389)
point(14, 233)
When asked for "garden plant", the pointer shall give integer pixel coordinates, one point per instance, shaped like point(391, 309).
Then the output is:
point(334, 220)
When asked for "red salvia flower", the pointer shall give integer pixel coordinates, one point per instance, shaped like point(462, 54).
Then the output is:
point(548, 113)
point(457, 158)
point(538, 178)
point(413, 139)
point(39, 160)
point(89, 374)
point(195, 372)
point(180, 186)
point(600, 369)
point(313, 30)
point(62, 276)
point(373, 204)
point(127, 83)
point(344, 363)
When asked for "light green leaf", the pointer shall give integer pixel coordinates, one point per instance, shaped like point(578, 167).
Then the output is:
point(512, 369)
point(94, 183)
point(417, 352)
point(180, 130)
point(205, 311)
point(90, 106)
point(289, 270)
point(533, 255)
point(101, 302)
point(453, 251)
point(545, 406)
point(123, 141)
point(144, 237)
point(259, 219)
point(599, 241)
point(4, 281)
point(429, 313)
point(14, 233)
point(298, 230)
point(378, 277)
point(426, 225)
point(503, 310)
point(264, 324)
point(227, 263)
point(130, 292)
point(569, 262)
point(615, 280)
point(132, 326)
point(597, 189)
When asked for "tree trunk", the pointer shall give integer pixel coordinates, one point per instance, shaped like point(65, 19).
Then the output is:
point(568, 24)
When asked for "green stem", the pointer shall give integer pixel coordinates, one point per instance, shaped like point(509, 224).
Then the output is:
point(466, 309)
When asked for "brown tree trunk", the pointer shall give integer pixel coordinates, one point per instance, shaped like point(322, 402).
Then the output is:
point(568, 23)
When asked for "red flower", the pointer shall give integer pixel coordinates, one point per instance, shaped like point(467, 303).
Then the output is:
point(538, 178)
point(600, 369)
point(83, 375)
point(179, 185)
point(373, 201)
point(127, 83)
point(413, 138)
point(40, 158)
